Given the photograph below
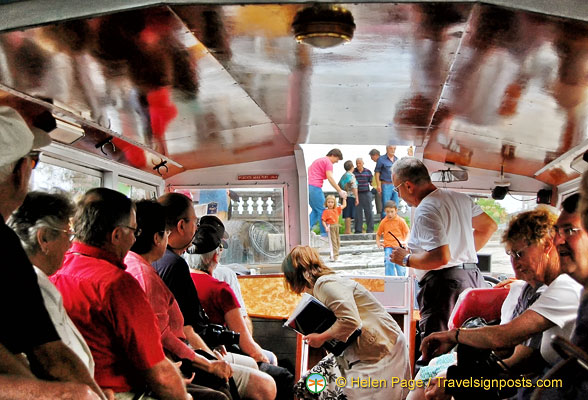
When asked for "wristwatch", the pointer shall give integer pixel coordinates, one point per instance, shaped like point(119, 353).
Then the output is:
point(405, 260)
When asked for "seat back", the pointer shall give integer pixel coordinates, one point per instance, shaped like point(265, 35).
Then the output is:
point(482, 302)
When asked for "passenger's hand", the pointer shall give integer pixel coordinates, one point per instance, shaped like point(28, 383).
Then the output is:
point(357, 201)
point(220, 352)
point(379, 245)
point(109, 393)
point(260, 357)
point(379, 189)
point(505, 283)
point(186, 380)
point(343, 194)
point(222, 369)
point(398, 254)
point(435, 391)
point(274, 359)
point(437, 343)
point(314, 340)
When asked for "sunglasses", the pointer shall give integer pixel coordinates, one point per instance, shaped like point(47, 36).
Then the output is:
point(394, 236)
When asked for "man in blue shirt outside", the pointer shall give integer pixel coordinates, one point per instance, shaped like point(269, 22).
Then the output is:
point(383, 174)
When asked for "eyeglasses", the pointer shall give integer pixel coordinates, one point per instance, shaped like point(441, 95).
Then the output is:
point(394, 236)
point(136, 231)
point(71, 234)
point(567, 231)
point(34, 156)
point(516, 254)
point(396, 187)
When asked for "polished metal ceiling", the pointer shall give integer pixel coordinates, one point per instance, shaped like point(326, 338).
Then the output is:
point(203, 85)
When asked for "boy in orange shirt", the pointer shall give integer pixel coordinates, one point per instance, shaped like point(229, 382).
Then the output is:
point(330, 220)
point(395, 232)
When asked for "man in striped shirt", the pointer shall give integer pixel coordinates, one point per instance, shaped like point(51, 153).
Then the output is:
point(364, 178)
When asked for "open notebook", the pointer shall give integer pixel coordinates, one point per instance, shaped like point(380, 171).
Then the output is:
point(312, 316)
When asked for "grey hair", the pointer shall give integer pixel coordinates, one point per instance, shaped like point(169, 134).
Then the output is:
point(28, 233)
point(206, 260)
point(411, 169)
point(358, 159)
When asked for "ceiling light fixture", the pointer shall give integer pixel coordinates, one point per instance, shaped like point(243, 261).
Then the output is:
point(323, 26)
point(66, 132)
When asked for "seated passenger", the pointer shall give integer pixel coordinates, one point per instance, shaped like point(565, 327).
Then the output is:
point(150, 245)
point(42, 224)
point(217, 298)
point(222, 306)
point(26, 324)
point(108, 305)
point(18, 383)
point(529, 241)
point(175, 273)
point(380, 352)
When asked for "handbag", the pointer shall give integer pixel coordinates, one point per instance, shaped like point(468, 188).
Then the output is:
point(476, 368)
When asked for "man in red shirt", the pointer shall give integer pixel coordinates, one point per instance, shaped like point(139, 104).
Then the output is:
point(107, 304)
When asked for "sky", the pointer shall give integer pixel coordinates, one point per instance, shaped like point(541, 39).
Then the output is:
point(351, 152)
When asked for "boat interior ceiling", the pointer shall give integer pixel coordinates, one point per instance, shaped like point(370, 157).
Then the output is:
point(475, 84)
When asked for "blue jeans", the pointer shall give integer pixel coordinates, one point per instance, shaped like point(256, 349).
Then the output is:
point(316, 198)
point(388, 193)
point(391, 268)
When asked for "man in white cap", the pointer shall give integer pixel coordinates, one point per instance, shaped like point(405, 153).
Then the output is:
point(27, 327)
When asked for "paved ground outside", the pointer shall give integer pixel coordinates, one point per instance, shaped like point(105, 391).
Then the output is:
point(360, 256)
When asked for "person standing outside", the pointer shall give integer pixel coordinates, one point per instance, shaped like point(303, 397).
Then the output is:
point(447, 231)
point(349, 184)
point(318, 171)
point(383, 174)
point(364, 177)
point(395, 231)
point(374, 155)
point(330, 220)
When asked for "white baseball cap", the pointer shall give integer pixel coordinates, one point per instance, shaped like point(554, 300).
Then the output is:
point(16, 139)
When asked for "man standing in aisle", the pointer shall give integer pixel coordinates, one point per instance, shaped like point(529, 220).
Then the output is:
point(447, 231)
point(383, 174)
point(319, 170)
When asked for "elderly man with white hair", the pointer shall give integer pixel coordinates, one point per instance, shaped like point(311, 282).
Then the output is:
point(27, 327)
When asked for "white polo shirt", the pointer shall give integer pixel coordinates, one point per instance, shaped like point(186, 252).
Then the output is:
point(444, 217)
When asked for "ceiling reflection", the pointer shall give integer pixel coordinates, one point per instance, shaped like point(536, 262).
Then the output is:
point(204, 85)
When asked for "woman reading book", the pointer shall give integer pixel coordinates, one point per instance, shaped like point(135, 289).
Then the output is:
point(380, 353)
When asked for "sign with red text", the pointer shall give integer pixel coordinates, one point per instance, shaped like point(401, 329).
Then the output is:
point(257, 177)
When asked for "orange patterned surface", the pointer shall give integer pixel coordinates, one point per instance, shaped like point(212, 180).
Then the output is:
point(265, 295)
point(373, 285)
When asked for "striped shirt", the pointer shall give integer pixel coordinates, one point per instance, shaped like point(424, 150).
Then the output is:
point(364, 178)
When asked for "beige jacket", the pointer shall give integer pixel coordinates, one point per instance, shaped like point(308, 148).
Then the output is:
point(355, 306)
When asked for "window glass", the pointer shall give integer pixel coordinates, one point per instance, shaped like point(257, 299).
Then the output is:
point(47, 177)
point(502, 211)
point(135, 192)
point(253, 219)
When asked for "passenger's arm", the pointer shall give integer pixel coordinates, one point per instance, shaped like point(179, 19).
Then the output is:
point(235, 322)
point(195, 340)
point(56, 361)
point(515, 332)
point(11, 364)
point(427, 260)
point(166, 382)
point(378, 182)
point(484, 226)
point(14, 387)
point(333, 183)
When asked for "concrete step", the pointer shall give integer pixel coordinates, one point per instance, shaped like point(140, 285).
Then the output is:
point(358, 236)
point(355, 250)
point(347, 243)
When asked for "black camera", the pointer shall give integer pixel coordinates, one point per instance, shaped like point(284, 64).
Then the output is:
point(216, 335)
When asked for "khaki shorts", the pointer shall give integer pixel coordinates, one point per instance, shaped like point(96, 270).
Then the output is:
point(242, 367)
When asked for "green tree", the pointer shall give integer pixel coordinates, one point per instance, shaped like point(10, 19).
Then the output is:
point(493, 209)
